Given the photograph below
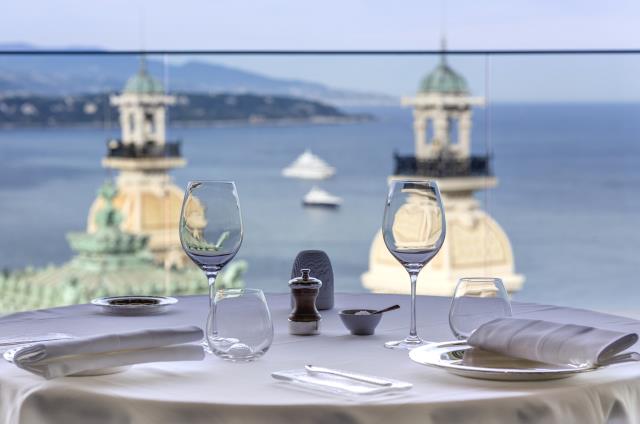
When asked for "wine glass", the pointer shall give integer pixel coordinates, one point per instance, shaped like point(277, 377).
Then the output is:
point(476, 301)
point(211, 232)
point(413, 229)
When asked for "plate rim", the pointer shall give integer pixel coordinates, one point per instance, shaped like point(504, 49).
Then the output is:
point(164, 301)
point(570, 370)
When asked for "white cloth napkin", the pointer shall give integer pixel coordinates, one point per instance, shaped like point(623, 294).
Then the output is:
point(553, 343)
point(64, 357)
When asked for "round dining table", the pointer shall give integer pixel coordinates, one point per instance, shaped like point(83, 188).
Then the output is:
point(217, 391)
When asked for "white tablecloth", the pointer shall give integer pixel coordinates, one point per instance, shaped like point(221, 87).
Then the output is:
point(215, 391)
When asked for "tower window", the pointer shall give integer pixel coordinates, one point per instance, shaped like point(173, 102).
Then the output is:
point(429, 130)
point(149, 123)
point(453, 130)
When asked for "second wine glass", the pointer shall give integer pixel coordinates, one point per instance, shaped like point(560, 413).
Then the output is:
point(414, 230)
point(211, 232)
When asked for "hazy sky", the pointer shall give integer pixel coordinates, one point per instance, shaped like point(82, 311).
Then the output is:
point(359, 24)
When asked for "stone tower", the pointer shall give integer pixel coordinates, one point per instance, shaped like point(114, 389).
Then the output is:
point(475, 245)
point(147, 197)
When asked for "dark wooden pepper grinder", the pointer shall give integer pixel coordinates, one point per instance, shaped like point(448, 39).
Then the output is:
point(304, 319)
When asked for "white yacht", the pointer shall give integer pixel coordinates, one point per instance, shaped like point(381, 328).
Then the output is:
point(319, 197)
point(309, 166)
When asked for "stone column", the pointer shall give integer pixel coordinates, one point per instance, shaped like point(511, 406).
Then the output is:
point(160, 125)
point(420, 132)
point(464, 132)
point(125, 123)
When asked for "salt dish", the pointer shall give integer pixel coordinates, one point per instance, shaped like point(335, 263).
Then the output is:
point(360, 322)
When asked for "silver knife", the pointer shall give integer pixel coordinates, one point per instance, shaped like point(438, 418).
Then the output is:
point(349, 375)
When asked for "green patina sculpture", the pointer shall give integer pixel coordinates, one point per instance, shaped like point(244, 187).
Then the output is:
point(108, 262)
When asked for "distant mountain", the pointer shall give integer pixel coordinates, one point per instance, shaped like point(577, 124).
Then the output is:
point(191, 109)
point(74, 74)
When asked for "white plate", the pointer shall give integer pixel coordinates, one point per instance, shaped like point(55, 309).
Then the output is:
point(461, 359)
point(134, 305)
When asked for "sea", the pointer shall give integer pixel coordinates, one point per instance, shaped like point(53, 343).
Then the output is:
point(568, 193)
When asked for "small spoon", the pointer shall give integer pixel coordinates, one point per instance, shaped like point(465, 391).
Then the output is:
point(390, 308)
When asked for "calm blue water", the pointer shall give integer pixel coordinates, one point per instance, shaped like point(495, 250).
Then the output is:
point(568, 194)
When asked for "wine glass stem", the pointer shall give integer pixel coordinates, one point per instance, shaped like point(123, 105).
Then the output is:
point(210, 325)
point(211, 277)
point(413, 274)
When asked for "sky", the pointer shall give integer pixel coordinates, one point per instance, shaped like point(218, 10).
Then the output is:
point(360, 24)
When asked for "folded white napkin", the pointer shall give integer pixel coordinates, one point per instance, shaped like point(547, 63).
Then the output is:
point(64, 357)
point(552, 342)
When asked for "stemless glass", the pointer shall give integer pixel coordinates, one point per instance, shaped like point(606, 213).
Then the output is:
point(476, 301)
point(211, 232)
point(413, 229)
point(244, 330)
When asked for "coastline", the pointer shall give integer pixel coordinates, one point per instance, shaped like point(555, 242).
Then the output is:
point(222, 123)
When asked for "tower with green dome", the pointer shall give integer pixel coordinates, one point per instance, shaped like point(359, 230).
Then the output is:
point(476, 244)
point(147, 198)
point(442, 111)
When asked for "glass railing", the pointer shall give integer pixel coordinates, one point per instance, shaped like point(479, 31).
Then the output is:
point(536, 155)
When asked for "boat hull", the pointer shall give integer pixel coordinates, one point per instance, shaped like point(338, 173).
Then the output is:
point(320, 205)
point(308, 175)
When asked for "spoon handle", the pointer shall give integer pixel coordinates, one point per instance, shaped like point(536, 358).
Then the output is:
point(390, 308)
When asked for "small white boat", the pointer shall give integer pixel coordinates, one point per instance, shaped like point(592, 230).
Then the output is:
point(319, 197)
point(309, 166)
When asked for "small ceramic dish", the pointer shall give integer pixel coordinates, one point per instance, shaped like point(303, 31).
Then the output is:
point(360, 324)
point(134, 305)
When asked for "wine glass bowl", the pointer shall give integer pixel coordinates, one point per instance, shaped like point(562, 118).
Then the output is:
point(211, 224)
point(476, 301)
point(413, 229)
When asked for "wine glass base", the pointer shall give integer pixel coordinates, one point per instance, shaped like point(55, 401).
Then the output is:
point(205, 345)
point(406, 344)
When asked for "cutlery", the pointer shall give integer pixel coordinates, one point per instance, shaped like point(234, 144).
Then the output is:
point(390, 308)
point(357, 377)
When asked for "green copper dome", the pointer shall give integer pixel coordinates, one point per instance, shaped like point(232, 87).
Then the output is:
point(445, 80)
point(143, 83)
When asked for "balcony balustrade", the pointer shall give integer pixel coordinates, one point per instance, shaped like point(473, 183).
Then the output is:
point(474, 166)
point(118, 149)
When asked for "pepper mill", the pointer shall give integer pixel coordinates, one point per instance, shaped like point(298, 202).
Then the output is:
point(320, 265)
point(304, 319)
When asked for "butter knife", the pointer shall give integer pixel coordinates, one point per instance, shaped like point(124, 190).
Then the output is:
point(352, 376)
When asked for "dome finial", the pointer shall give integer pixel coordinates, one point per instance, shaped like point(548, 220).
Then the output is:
point(443, 49)
point(143, 64)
